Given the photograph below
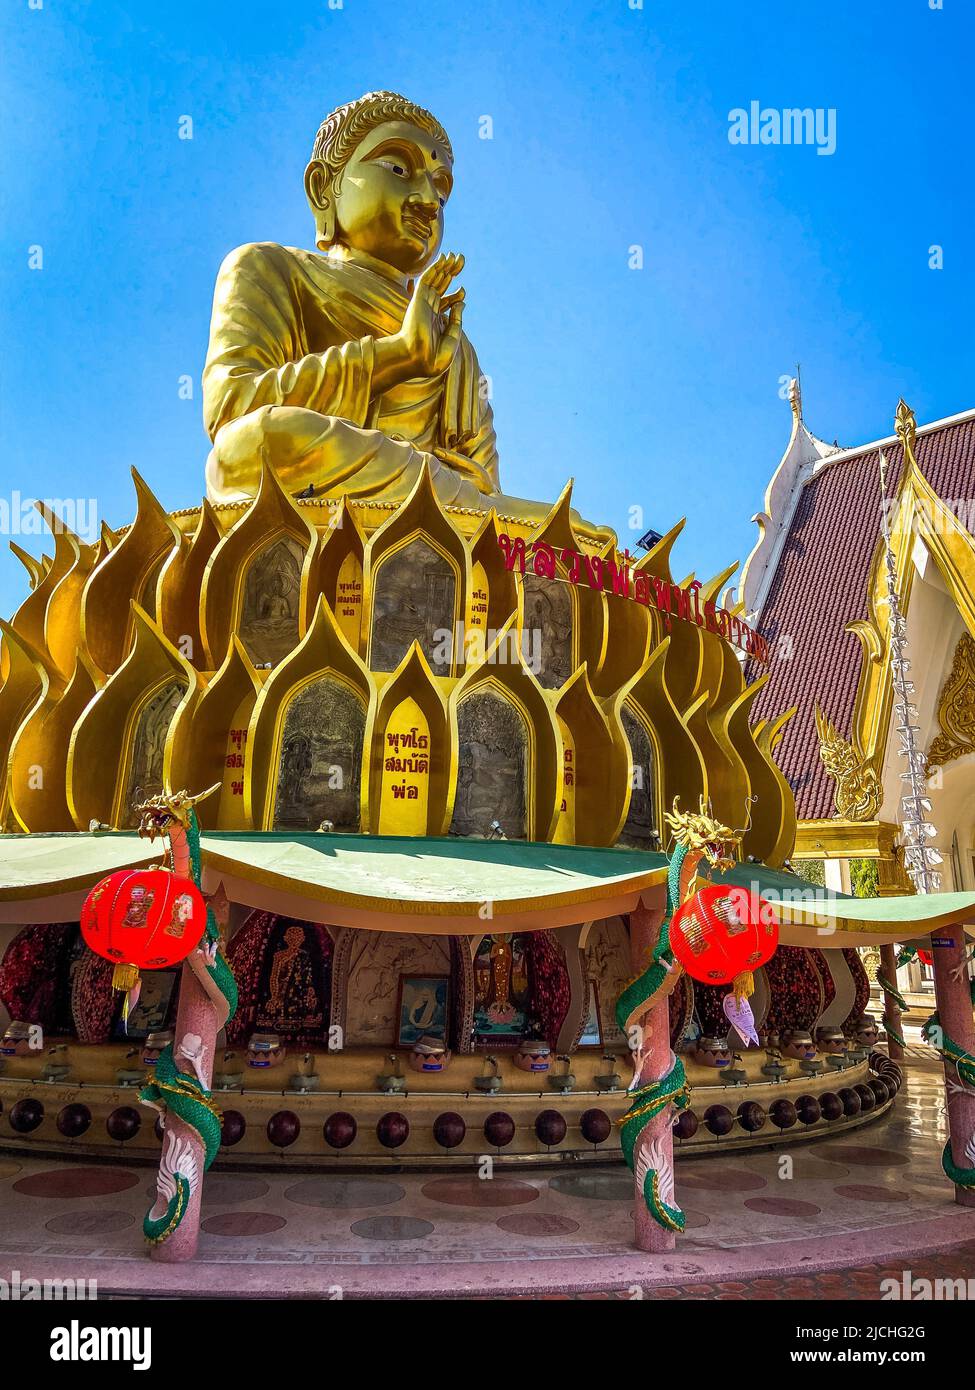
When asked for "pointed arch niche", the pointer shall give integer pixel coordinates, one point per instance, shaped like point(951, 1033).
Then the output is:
point(307, 734)
point(256, 580)
point(417, 580)
point(127, 726)
point(509, 759)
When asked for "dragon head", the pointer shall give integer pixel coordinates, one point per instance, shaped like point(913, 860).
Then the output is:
point(701, 834)
point(159, 813)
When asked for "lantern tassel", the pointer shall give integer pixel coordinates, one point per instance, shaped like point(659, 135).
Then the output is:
point(743, 986)
point(127, 978)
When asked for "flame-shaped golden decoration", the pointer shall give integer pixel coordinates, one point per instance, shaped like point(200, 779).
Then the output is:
point(310, 657)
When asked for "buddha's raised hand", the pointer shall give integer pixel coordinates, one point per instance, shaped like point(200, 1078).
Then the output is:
point(431, 327)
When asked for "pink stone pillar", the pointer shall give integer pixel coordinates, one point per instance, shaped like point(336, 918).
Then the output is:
point(888, 967)
point(196, 1014)
point(953, 998)
point(644, 933)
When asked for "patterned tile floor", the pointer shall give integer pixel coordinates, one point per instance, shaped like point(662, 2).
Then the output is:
point(880, 1185)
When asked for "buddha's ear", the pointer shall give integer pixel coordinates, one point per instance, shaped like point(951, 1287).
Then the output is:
point(322, 204)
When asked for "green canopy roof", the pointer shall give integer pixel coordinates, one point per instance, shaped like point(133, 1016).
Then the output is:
point(445, 885)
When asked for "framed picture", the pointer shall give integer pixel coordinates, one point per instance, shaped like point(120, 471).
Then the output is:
point(151, 1013)
point(592, 1033)
point(422, 1008)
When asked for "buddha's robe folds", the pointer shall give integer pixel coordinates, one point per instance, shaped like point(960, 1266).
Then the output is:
point(288, 379)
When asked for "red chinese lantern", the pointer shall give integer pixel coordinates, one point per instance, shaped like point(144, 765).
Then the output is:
point(722, 934)
point(143, 919)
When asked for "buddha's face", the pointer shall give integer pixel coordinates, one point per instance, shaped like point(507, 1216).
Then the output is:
point(390, 196)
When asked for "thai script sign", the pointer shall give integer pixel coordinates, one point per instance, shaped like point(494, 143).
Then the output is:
point(680, 602)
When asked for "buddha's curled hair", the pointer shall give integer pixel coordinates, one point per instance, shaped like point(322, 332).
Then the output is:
point(343, 128)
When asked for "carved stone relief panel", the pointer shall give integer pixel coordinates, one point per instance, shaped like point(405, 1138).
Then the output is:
point(269, 617)
point(321, 758)
point(414, 597)
point(608, 964)
point(378, 960)
point(641, 822)
point(547, 632)
point(148, 747)
point(492, 773)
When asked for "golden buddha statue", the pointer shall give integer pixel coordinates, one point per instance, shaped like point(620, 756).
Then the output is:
point(348, 371)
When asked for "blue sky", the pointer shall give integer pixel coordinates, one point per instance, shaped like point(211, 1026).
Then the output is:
point(656, 387)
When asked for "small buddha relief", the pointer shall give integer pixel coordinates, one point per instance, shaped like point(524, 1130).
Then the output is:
point(640, 830)
point(321, 758)
point(548, 629)
point(492, 767)
point(145, 778)
point(269, 616)
point(414, 599)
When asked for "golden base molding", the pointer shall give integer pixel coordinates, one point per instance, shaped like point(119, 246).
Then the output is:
point(845, 839)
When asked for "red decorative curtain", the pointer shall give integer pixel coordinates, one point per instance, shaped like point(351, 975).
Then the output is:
point(861, 981)
point(826, 977)
point(549, 977)
point(708, 1000)
point(459, 1028)
point(796, 989)
point(681, 1006)
point(93, 1001)
point(33, 975)
point(245, 955)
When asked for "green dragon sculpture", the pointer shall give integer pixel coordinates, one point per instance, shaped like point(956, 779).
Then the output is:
point(172, 1090)
point(696, 837)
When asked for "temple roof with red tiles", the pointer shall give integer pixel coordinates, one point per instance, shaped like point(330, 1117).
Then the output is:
point(813, 582)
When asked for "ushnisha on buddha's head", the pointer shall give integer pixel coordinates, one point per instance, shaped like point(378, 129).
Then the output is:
point(378, 180)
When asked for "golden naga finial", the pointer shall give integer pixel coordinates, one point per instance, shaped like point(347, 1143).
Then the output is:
point(704, 835)
point(857, 792)
point(795, 397)
point(905, 426)
point(159, 812)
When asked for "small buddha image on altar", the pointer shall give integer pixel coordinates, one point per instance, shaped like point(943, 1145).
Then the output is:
point(501, 987)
